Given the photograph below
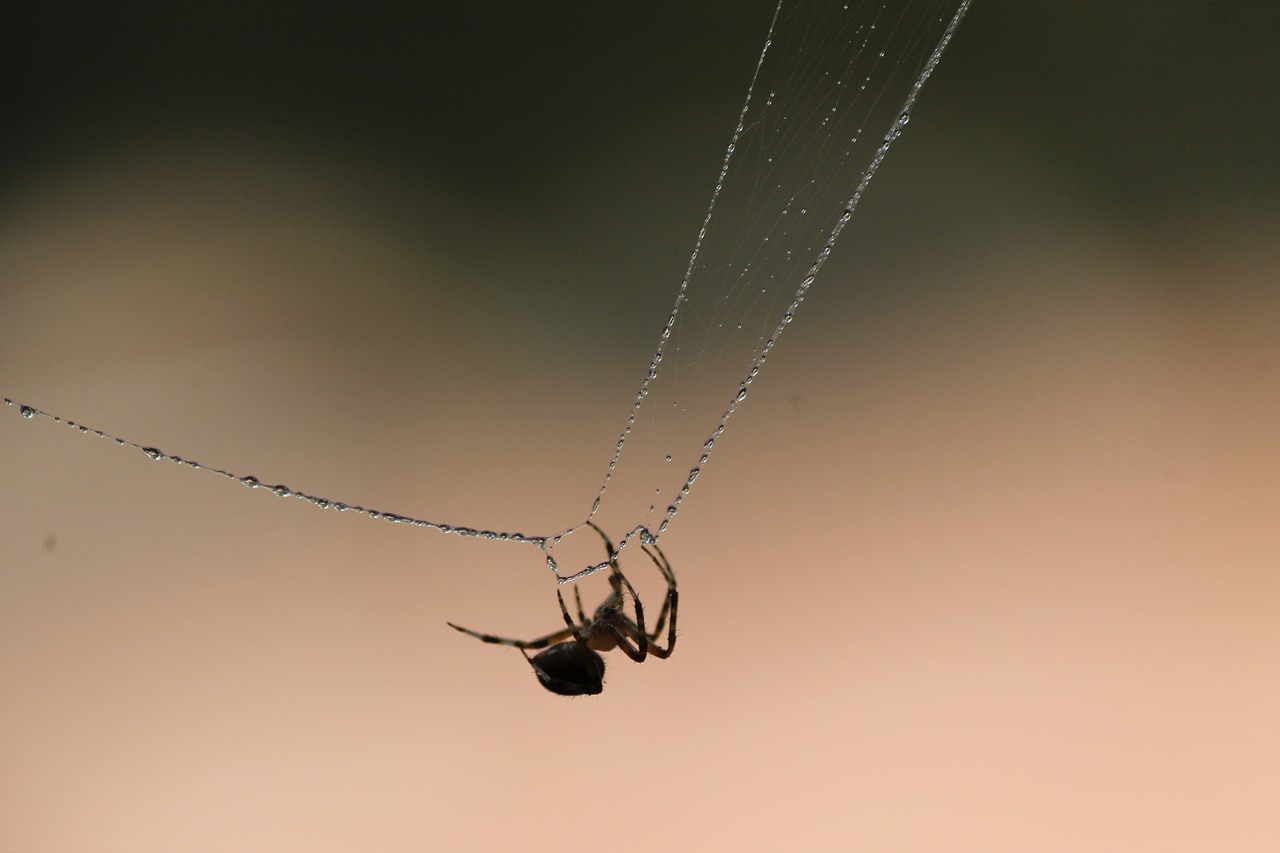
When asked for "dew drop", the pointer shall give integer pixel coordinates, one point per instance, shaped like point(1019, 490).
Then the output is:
point(152, 453)
point(27, 412)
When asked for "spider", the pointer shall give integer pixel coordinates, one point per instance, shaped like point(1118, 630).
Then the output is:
point(572, 666)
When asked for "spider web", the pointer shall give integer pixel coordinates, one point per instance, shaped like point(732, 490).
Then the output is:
point(833, 88)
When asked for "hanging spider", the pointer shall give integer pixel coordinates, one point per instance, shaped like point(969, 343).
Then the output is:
point(572, 666)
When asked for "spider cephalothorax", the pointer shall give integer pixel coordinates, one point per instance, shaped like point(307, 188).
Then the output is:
point(571, 664)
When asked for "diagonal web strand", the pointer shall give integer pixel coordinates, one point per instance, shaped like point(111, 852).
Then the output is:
point(727, 308)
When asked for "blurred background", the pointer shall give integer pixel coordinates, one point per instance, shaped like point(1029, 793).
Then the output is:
point(988, 561)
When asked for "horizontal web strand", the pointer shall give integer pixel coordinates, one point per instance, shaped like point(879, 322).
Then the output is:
point(31, 412)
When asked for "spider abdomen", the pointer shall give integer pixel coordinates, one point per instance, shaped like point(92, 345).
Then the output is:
point(570, 670)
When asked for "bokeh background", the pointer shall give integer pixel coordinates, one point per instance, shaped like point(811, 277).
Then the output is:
point(988, 561)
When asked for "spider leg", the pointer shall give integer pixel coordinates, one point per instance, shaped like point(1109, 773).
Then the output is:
point(608, 543)
point(636, 648)
point(631, 636)
point(672, 604)
point(662, 619)
point(568, 620)
point(614, 580)
point(540, 643)
point(670, 578)
point(673, 599)
point(664, 566)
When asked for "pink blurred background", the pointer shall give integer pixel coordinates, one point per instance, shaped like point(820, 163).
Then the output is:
point(988, 561)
